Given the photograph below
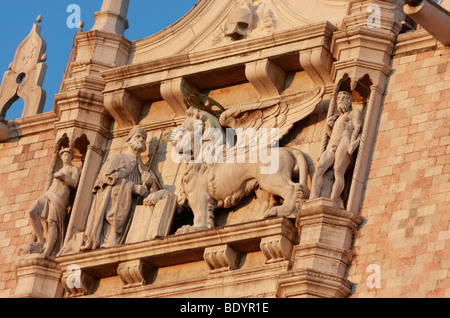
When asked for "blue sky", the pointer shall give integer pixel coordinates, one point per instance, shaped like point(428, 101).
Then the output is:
point(146, 17)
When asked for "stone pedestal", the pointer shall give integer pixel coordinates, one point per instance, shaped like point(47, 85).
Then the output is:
point(38, 277)
point(320, 260)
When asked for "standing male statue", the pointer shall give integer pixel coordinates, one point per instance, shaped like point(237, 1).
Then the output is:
point(344, 131)
point(50, 209)
point(122, 178)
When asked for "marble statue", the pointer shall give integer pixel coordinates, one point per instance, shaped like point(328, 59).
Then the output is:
point(344, 131)
point(48, 212)
point(214, 179)
point(122, 179)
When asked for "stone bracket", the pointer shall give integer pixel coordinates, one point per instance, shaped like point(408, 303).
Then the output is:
point(137, 263)
point(267, 77)
point(4, 132)
point(173, 92)
point(276, 248)
point(77, 282)
point(124, 107)
point(221, 258)
point(134, 273)
point(317, 63)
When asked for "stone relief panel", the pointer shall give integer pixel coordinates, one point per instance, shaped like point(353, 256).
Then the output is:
point(129, 204)
point(222, 172)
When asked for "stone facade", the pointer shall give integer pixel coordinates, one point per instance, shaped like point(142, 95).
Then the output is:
point(25, 165)
point(406, 201)
point(269, 64)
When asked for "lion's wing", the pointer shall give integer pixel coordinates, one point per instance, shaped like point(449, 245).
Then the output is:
point(281, 113)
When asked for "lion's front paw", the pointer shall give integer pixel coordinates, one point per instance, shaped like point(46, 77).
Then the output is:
point(189, 228)
point(271, 212)
point(280, 211)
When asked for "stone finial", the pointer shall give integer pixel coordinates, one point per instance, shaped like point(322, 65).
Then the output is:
point(26, 75)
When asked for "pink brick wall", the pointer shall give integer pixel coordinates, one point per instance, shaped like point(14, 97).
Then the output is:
point(24, 168)
point(407, 200)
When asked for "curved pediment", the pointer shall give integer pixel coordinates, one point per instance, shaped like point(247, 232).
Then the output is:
point(211, 24)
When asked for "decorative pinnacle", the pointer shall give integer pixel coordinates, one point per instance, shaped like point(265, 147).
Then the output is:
point(39, 18)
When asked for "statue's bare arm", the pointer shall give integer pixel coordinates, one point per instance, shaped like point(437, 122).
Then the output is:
point(69, 180)
point(356, 134)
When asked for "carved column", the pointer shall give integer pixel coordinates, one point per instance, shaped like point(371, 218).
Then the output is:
point(80, 104)
point(367, 138)
point(363, 55)
point(320, 260)
point(112, 17)
point(84, 195)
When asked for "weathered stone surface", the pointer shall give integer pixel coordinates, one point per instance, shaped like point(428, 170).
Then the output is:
point(279, 68)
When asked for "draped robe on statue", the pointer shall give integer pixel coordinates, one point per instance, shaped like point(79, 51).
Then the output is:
point(113, 200)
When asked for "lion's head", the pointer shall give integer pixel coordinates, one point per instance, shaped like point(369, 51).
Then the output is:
point(200, 138)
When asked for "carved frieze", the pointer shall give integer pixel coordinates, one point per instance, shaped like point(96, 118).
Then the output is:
point(215, 158)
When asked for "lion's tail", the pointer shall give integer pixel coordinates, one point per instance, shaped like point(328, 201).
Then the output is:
point(301, 169)
point(244, 191)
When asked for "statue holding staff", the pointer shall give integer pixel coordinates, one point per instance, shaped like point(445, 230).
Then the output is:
point(121, 179)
